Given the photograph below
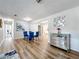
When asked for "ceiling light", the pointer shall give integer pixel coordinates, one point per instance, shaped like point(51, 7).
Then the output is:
point(27, 19)
point(38, 1)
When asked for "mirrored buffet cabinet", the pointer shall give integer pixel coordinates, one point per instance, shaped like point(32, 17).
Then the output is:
point(61, 41)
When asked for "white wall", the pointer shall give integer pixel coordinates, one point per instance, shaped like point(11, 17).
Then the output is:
point(71, 25)
point(33, 27)
point(34, 24)
point(19, 34)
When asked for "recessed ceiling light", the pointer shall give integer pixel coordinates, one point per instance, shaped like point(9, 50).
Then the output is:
point(27, 19)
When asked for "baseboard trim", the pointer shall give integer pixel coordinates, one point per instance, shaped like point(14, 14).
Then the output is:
point(75, 52)
point(70, 51)
point(59, 48)
point(19, 38)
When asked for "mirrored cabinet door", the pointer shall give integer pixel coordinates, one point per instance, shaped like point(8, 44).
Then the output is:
point(62, 42)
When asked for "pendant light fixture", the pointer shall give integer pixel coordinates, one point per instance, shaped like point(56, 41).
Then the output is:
point(38, 1)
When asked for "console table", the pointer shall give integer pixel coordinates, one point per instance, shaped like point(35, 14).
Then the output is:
point(61, 41)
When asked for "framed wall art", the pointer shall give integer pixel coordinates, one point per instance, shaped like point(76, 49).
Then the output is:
point(19, 27)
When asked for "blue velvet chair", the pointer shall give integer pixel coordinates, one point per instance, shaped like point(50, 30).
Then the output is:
point(25, 35)
point(37, 35)
point(31, 36)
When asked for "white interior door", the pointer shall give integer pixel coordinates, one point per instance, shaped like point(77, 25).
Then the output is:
point(8, 31)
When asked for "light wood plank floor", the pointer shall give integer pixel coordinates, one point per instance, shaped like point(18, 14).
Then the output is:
point(7, 46)
point(40, 49)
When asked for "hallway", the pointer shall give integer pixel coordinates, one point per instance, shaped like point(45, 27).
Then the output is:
point(41, 50)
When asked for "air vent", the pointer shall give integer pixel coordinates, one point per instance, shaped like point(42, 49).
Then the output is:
point(38, 1)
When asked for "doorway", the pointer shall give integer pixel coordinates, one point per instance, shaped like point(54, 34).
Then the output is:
point(8, 30)
point(8, 36)
point(44, 31)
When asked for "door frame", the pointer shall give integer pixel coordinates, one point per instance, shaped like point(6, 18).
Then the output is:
point(8, 21)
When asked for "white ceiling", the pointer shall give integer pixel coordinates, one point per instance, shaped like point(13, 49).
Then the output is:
point(30, 8)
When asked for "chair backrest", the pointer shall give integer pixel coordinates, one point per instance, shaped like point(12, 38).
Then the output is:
point(25, 33)
point(31, 35)
point(37, 34)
